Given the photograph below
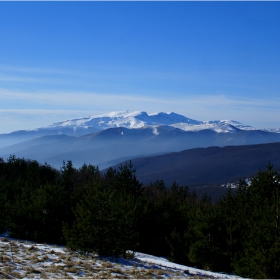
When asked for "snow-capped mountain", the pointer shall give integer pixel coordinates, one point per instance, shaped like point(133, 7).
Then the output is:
point(223, 126)
point(127, 119)
point(138, 119)
point(133, 120)
point(109, 138)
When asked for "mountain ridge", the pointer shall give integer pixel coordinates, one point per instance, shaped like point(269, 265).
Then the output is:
point(114, 143)
point(205, 170)
point(133, 119)
point(128, 119)
point(106, 139)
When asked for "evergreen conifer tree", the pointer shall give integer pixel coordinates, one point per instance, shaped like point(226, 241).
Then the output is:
point(105, 222)
point(261, 254)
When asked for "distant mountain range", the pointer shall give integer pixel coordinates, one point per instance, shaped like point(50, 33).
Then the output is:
point(126, 119)
point(109, 139)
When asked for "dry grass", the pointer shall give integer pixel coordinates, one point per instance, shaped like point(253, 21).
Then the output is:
point(107, 265)
point(5, 246)
point(69, 263)
point(31, 248)
point(117, 270)
point(34, 258)
point(59, 255)
point(4, 239)
point(42, 258)
point(53, 269)
point(7, 269)
point(6, 258)
point(34, 270)
point(66, 258)
point(41, 262)
point(72, 269)
point(44, 275)
point(89, 267)
point(198, 277)
point(149, 273)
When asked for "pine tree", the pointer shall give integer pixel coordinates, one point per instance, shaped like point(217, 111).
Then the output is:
point(206, 235)
point(3, 196)
point(104, 222)
point(124, 180)
point(261, 254)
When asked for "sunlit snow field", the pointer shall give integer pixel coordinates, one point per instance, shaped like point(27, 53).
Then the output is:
point(21, 259)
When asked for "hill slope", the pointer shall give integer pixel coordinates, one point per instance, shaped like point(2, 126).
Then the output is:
point(37, 261)
point(107, 146)
point(207, 166)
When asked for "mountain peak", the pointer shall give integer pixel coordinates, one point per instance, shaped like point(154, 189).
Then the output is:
point(128, 119)
point(140, 119)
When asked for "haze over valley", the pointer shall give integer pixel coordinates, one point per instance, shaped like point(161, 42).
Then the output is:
point(161, 145)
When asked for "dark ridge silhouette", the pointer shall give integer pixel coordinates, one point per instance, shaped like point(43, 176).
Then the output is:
point(205, 169)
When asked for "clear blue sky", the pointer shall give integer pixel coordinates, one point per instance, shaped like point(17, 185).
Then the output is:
point(205, 60)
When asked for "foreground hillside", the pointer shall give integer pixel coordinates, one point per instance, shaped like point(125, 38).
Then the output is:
point(22, 259)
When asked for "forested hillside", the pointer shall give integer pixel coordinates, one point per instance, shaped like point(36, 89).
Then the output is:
point(207, 166)
point(112, 213)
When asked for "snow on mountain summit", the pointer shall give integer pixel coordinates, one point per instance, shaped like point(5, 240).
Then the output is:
point(140, 119)
point(223, 126)
point(127, 119)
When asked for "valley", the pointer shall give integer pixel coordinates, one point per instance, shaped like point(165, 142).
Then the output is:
point(200, 154)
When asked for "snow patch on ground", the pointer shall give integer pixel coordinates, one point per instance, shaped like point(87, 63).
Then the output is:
point(194, 271)
point(21, 259)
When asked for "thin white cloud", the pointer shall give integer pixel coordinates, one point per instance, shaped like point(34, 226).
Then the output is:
point(56, 106)
point(223, 100)
point(77, 99)
point(89, 99)
point(38, 70)
point(12, 78)
point(110, 78)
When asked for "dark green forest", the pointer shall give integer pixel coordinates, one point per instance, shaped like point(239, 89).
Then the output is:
point(113, 212)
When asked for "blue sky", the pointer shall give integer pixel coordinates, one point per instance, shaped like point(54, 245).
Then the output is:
point(205, 60)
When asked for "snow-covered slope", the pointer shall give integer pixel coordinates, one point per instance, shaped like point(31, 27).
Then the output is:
point(223, 126)
point(138, 119)
point(127, 119)
point(21, 259)
point(130, 120)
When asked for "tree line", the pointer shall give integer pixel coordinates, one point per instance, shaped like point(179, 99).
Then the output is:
point(113, 212)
